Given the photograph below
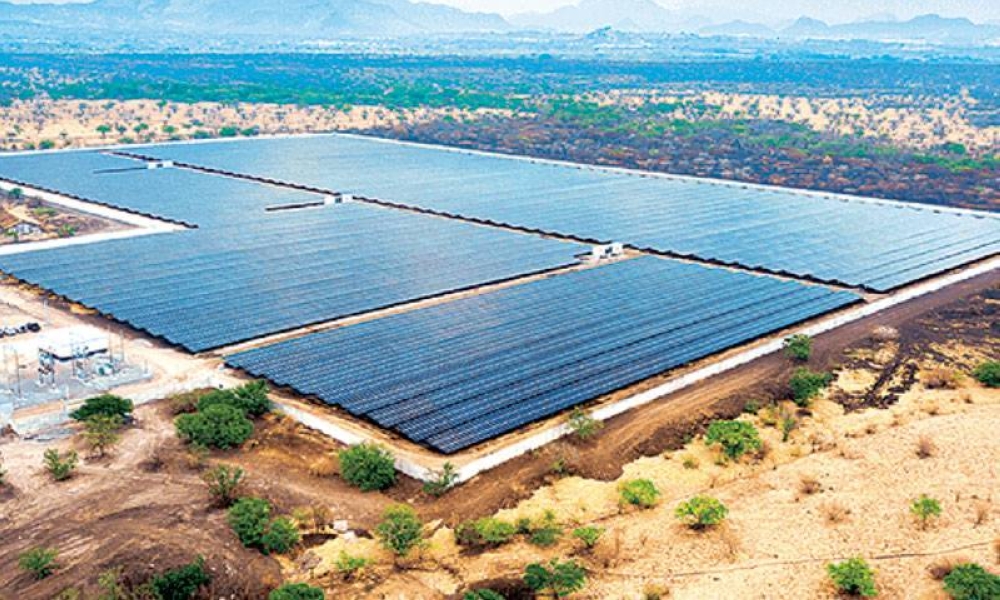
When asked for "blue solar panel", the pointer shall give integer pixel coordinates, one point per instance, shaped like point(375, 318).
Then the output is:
point(456, 374)
point(877, 245)
point(244, 272)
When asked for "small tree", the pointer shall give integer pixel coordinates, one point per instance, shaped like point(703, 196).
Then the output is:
point(297, 591)
point(181, 583)
point(735, 437)
point(443, 482)
point(60, 466)
point(925, 509)
point(798, 347)
point(219, 426)
point(701, 512)
point(559, 578)
point(249, 518)
point(988, 374)
point(853, 577)
point(101, 432)
point(589, 535)
point(583, 426)
point(400, 530)
point(368, 467)
point(224, 484)
point(280, 536)
point(40, 562)
point(972, 582)
point(638, 492)
point(107, 405)
point(806, 385)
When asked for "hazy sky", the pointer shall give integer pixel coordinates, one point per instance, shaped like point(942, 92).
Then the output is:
point(768, 10)
point(834, 11)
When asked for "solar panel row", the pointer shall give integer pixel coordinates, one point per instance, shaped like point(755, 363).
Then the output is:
point(216, 286)
point(877, 245)
point(456, 374)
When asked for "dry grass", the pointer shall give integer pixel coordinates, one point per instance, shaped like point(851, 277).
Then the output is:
point(996, 549)
point(883, 334)
point(690, 462)
point(835, 513)
point(926, 448)
point(983, 509)
point(655, 591)
point(941, 378)
point(809, 485)
point(324, 466)
point(942, 567)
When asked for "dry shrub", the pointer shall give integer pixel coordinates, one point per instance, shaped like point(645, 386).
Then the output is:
point(809, 485)
point(153, 461)
point(940, 378)
point(186, 402)
point(655, 591)
point(996, 549)
point(849, 452)
point(883, 333)
point(926, 447)
point(608, 550)
point(835, 513)
point(690, 462)
point(196, 457)
point(324, 466)
point(730, 540)
point(932, 408)
point(982, 509)
point(942, 567)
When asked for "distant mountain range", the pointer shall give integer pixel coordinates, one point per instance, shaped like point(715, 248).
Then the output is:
point(305, 19)
point(297, 18)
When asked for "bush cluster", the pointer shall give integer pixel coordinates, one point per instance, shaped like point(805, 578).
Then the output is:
point(556, 578)
point(798, 347)
point(806, 385)
point(217, 426)
point(702, 512)
point(400, 530)
point(368, 466)
point(183, 582)
point(488, 532)
point(297, 591)
point(854, 577)
point(251, 520)
point(105, 405)
point(970, 581)
point(638, 492)
point(736, 438)
point(988, 374)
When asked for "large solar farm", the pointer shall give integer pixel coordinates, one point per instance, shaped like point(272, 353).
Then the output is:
point(454, 301)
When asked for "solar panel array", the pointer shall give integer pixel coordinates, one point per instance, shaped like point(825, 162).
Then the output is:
point(877, 245)
point(244, 272)
point(177, 195)
point(456, 374)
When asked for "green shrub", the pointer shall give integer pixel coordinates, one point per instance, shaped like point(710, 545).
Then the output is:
point(589, 535)
point(583, 425)
point(250, 398)
point(972, 582)
point(547, 532)
point(988, 374)
point(638, 492)
point(39, 562)
point(107, 405)
point(701, 512)
point(368, 467)
point(181, 583)
point(249, 518)
point(218, 425)
point(348, 565)
point(735, 437)
point(224, 484)
point(806, 385)
point(280, 536)
point(798, 347)
point(925, 509)
point(853, 577)
point(483, 594)
point(484, 533)
point(443, 482)
point(400, 530)
point(297, 591)
point(60, 466)
point(559, 578)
